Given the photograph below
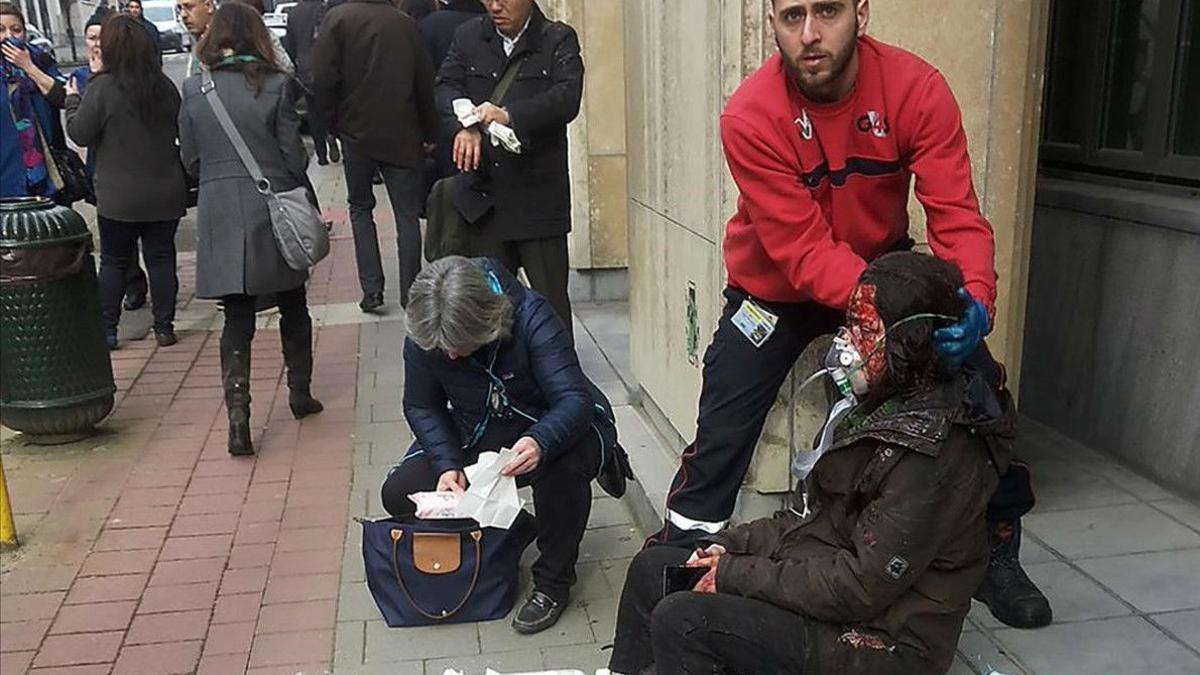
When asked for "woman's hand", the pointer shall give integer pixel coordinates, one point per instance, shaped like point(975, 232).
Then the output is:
point(529, 454)
point(95, 61)
point(72, 86)
point(452, 481)
point(20, 58)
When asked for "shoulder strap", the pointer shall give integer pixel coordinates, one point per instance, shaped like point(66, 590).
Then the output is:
point(209, 89)
point(506, 80)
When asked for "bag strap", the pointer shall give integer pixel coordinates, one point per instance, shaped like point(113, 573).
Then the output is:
point(506, 80)
point(209, 89)
point(397, 535)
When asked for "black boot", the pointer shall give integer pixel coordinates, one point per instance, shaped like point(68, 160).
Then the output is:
point(235, 376)
point(296, 336)
point(1007, 590)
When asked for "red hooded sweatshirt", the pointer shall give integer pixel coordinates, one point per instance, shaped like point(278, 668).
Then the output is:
point(824, 187)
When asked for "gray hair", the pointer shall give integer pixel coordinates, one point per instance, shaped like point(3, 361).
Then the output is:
point(452, 307)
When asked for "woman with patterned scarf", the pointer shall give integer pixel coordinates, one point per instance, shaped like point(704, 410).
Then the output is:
point(30, 97)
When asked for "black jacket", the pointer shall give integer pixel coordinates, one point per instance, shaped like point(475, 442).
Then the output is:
point(532, 190)
point(303, 21)
point(438, 30)
point(373, 81)
point(541, 375)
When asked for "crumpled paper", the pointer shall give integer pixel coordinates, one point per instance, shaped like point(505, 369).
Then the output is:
point(500, 134)
point(491, 498)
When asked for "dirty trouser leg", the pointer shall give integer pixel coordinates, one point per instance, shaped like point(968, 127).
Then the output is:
point(740, 383)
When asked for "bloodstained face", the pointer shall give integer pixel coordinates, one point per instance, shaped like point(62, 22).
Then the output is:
point(866, 333)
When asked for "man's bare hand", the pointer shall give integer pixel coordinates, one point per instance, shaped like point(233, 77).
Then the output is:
point(468, 149)
point(489, 112)
point(529, 454)
point(708, 582)
point(713, 551)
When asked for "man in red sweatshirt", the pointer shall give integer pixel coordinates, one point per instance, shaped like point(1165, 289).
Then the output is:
point(823, 141)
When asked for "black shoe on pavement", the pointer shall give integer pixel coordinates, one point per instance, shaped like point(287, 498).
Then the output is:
point(538, 613)
point(110, 339)
point(335, 153)
point(321, 161)
point(371, 302)
point(1007, 591)
point(377, 179)
point(165, 338)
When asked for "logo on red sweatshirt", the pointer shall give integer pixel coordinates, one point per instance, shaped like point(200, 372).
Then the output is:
point(874, 123)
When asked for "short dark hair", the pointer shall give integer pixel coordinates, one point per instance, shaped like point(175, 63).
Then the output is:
point(130, 2)
point(908, 283)
point(11, 9)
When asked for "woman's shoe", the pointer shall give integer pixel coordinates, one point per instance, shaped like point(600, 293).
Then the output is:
point(335, 153)
point(302, 404)
point(239, 436)
point(110, 339)
point(165, 338)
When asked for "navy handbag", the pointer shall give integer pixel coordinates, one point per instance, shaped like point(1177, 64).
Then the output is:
point(427, 572)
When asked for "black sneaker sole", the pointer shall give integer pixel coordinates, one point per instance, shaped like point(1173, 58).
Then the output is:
point(539, 626)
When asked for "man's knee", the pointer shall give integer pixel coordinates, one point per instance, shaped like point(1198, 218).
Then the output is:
point(675, 617)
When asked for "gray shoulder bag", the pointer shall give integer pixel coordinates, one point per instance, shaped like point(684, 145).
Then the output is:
point(300, 234)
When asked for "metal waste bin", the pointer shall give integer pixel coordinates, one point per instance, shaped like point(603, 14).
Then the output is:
point(56, 380)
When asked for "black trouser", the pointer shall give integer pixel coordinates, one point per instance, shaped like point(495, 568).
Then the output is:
point(135, 278)
point(546, 266)
point(316, 128)
point(118, 252)
point(404, 186)
point(688, 632)
point(240, 315)
point(562, 497)
point(739, 386)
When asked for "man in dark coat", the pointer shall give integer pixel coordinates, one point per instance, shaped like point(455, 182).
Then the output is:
point(373, 83)
point(135, 10)
point(532, 190)
point(438, 30)
point(304, 21)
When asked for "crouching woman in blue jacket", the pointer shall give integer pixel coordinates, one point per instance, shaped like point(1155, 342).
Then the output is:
point(488, 364)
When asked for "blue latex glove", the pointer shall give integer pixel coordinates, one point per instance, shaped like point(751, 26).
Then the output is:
point(959, 341)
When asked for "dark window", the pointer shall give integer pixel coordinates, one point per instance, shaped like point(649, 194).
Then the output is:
point(1123, 89)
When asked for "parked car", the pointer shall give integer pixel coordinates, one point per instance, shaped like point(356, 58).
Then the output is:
point(172, 36)
point(38, 38)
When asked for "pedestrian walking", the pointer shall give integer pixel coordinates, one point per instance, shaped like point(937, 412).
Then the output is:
point(236, 258)
point(31, 94)
point(128, 122)
point(373, 83)
point(134, 9)
point(304, 23)
point(531, 191)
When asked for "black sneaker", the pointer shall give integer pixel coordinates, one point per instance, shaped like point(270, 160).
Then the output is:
point(538, 613)
point(371, 302)
point(134, 301)
point(1008, 592)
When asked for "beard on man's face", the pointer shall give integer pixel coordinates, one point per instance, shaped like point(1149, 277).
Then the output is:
point(815, 84)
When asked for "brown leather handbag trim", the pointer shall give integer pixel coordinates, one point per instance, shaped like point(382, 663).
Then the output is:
point(437, 553)
point(476, 536)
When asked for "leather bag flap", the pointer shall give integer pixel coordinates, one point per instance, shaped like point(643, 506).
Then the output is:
point(437, 553)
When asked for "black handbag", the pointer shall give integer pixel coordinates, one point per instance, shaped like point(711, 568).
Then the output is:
point(456, 203)
point(74, 182)
point(426, 572)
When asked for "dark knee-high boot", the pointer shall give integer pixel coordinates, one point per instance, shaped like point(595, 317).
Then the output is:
point(296, 335)
point(235, 377)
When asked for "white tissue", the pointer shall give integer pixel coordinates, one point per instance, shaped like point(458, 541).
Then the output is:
point(499, 134)
point(491, 498)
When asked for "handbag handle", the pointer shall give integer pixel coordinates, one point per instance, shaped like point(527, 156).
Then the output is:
point(397, 535)
point(209, 89)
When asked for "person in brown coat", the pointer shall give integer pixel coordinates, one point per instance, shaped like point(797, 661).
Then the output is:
point(373, 82)
point(873, 570)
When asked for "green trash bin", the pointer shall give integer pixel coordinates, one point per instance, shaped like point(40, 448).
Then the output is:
point(56, 380)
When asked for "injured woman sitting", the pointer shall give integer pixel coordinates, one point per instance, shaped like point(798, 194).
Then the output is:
point(872, 569)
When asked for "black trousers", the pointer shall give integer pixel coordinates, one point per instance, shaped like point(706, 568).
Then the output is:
point(562, 497)
point(404, 187)
point(546, 266)
point(316, 128)
point(118, 253)
point(739, 386)
point(240, 313)
point(692, 633)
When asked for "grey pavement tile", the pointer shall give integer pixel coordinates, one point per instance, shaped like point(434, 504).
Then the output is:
point(1110, 530)
point(607, 543)
point(425, 642)
point(602, 615)
point(979, 654)
point(1125, 645)
point(1152, 582)
point(356, 604)
point(586, 658)
point(392, 668)
point(607, 512)
point(572, 629)
point(959, 667)
point(1119, 475)
point(524, 660)
point(352, 560)
point(591, 583)
point(1032, 551)
point(1064, 486)
point(615, 571)
point(1185, 625)
point(1073, 596)
point(349, 639)
point(1182, 510)
point(382, 433)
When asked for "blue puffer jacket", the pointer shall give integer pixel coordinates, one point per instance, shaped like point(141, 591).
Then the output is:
point(539, 370)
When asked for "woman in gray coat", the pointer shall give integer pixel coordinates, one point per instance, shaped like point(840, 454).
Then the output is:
point(236, 255)
point(127, 121)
